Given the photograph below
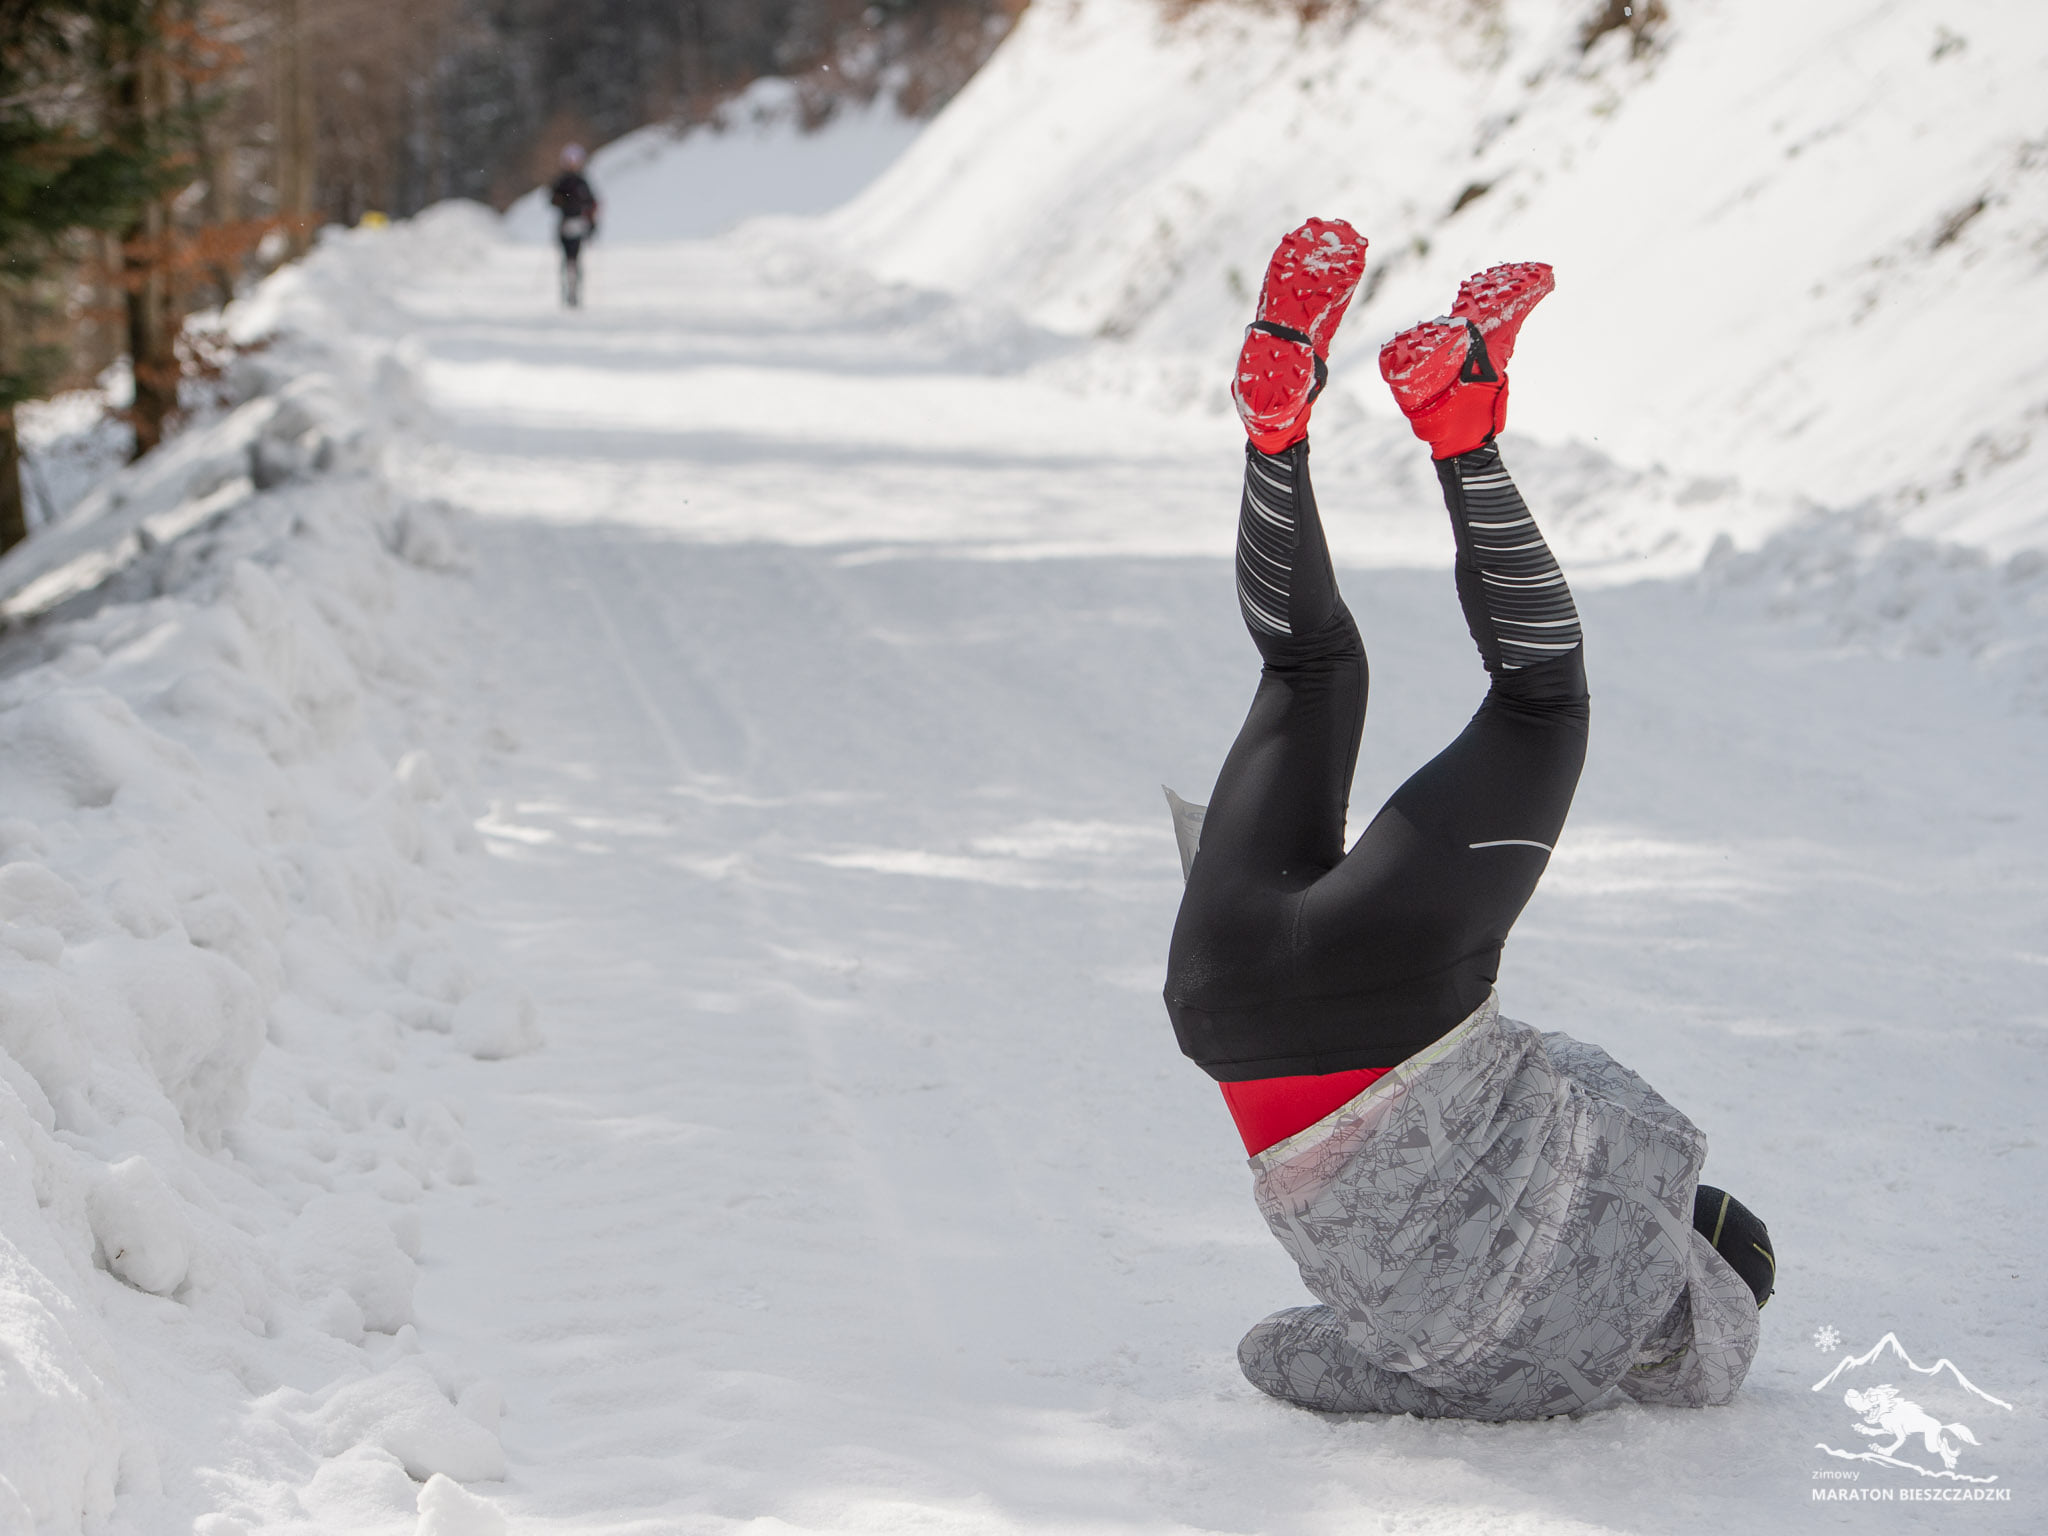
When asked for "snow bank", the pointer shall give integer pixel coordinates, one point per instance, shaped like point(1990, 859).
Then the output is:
point(69, 444)
point(233, 814)
point(1852, 579)
point(754, 157)
point(1783, 234)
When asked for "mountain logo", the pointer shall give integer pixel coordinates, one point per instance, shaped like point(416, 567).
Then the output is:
point(1885, 1413)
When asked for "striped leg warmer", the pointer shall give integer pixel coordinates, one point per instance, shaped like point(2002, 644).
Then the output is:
point(1516, 602)
point(1285, 585)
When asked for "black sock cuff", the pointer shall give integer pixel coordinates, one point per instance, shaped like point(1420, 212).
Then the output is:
point(1293, 456)
point(1481, 460)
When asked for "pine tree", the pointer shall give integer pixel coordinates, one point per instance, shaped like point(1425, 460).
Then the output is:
point(64, 168)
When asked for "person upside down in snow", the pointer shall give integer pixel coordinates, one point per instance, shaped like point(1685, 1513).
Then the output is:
point(1497, 1223)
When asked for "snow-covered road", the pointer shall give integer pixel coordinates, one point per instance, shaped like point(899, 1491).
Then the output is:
point(834, 670)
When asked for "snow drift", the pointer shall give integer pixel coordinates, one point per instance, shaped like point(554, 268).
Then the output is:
point(233, 809)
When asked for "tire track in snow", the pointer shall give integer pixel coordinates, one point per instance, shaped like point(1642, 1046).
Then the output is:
point(921, 1314)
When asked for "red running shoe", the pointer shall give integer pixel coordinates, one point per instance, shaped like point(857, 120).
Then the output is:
point(1449, 375)
point(1283, 364)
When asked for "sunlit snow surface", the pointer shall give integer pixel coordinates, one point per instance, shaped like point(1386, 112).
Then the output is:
point(761, 681)
point(860, 1187)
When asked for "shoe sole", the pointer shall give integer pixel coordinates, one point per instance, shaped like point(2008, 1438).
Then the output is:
point(1274, 379)
point(1309, 282)
point(1424, 361)
point(1499, 299)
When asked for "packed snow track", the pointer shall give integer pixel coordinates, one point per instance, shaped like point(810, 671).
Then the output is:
point(860, 1186)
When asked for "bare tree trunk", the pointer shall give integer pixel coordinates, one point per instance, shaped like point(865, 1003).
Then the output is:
point(295, 120)
point(144, 101)
point(13, 505)
point(152, 354)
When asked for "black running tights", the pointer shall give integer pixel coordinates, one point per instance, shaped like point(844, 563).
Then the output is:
point(1291, 956)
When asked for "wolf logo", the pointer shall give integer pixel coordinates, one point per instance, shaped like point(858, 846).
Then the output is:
point(1884, 1412)
point(1890, 1419)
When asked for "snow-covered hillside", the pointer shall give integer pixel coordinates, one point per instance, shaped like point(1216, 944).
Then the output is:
point(1802, 246)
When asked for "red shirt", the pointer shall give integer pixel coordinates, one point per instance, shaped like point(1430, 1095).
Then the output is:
point(1271, 1109)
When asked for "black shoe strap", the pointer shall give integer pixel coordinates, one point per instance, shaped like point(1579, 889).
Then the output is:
point(1478, 367)
point(1289, 333)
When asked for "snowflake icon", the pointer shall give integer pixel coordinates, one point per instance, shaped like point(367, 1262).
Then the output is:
point(1826, 1338)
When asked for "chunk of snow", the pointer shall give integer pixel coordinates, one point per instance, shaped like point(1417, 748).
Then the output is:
point(141, 1227)
point(344, 1242)
point(401, 1410)
point(449, 1509)
point(495, 1022)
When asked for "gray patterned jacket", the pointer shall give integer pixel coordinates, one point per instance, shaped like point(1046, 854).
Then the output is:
point(1499, 1228)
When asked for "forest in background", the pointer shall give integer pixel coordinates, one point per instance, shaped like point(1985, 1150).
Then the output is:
point(158, 155)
